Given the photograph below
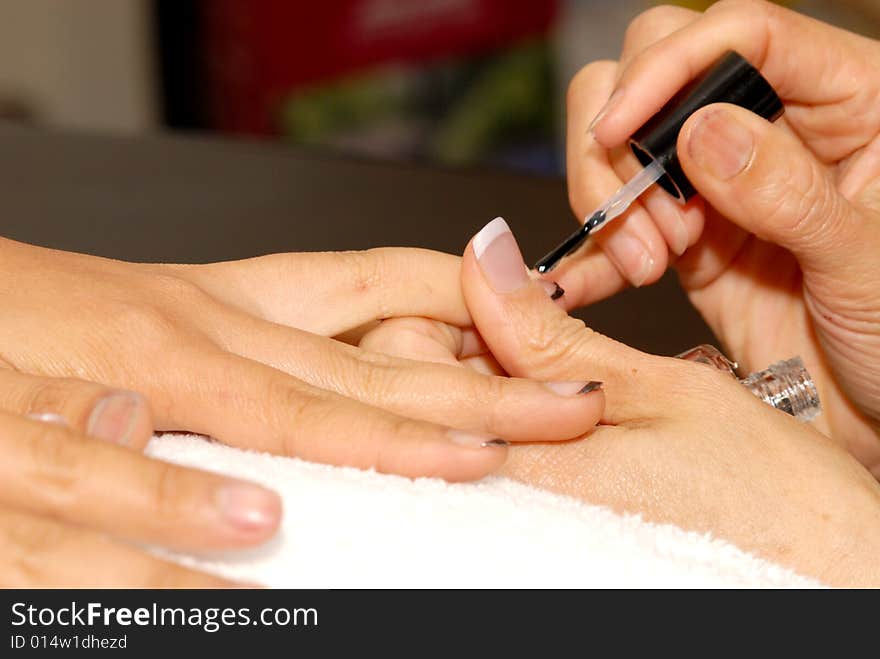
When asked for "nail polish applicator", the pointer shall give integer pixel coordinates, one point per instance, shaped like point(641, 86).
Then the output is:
point(731, 79)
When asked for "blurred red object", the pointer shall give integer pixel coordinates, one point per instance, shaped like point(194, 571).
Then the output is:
point(258, 51)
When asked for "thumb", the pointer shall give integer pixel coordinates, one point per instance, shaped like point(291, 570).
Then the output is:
point(533, 337)
point(762, 178)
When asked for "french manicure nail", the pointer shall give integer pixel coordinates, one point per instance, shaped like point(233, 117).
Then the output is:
point(554, 290)
point(572, 388)
point(499, 257)
point(248, 507)
point(721, 144)
point(48, 417)
point(114, 417)
point(613, 102)
point(630, 256)
point(475, 440)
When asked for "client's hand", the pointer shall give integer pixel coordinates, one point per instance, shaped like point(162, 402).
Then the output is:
point(809, 186)
point(71, 495)
point(679, 442)
point(243, 352)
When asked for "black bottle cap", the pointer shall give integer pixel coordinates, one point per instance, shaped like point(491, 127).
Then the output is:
point(730, 80)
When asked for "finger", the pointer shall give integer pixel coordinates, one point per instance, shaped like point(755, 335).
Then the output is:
point(767, 182)
point(249, 404)
point(40, 553)
point(420, 339)
point(416, 339)
point(404, 337)
point(50, 471)
point(651, 26)
point(859, 178)
point(679, 225)
point(531, 338)
point(513, 409)
point(113, 415)
point(632, 243)
point(781, 43)
point(589, 277)
point(346, 289)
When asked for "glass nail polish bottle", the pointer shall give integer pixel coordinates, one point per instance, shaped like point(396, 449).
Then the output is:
point(785, 385)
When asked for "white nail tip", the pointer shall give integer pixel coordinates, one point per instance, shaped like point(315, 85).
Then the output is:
point(488, 234)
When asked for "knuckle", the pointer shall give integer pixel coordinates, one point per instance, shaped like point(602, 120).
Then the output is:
point(372, 378)
point(364, 269)
point(56, 465)
point(383, 457)
point(799, 203)
point(381, 270)
point(490, 393)
point(151, 324)
point(165, 491)
point(372, 375)
point(176, 290)
point(49, 395)
point(645, 25)
point(366, 274)
point(585, 79)
point(818, 209)
point(292, 407)
point(155, 322)
point(552, 344)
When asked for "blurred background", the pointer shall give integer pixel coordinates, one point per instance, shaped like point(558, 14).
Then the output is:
point(453, 82)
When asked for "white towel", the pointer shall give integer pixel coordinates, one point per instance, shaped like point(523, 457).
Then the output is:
point(345, 528)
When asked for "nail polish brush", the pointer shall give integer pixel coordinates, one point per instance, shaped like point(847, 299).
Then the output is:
point(731, 79)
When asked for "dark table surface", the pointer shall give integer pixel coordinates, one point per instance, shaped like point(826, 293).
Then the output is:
point(188, 199)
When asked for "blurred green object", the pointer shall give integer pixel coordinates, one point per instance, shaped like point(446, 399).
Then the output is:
point(511, 96)
point(314, 116)
point(455, 111)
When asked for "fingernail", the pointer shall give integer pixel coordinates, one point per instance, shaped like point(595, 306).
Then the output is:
point(630, 256)
point(499, 257)
point(572, 388)
point(48, 417)
point(592, 385)
point(613, 102)
point(248, 507)
point(554, 290)
point(680, 237)
point(114, 417)
point(475, 440)
point(721, 144)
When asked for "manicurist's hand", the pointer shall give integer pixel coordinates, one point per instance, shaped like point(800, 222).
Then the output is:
point(254, 353)
point(780, 254)
point(679, 441)
point(74, 494)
